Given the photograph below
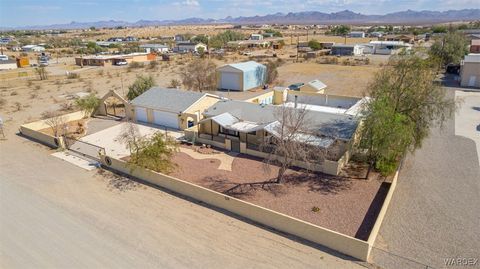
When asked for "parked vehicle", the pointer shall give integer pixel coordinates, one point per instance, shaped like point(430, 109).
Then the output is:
point(121, 62)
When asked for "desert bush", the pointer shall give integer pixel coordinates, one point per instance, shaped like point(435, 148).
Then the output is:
point(13, 93)
point(66, 107)
point(71, 75)
point(3, 102)
point(100, 72)
point(17, 106)
point(135, 65)
point(153, 65)
point(174, 83)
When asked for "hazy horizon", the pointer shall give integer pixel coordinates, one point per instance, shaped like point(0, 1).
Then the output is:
point(28, 12)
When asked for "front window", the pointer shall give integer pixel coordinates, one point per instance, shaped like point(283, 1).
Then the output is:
point(228, 131)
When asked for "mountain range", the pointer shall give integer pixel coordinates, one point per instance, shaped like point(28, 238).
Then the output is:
point(305, 17)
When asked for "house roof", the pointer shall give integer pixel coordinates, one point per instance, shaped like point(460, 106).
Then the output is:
point(173, 100)
point(335, 125)
point(472, 58)
point(157, 46)
point(317, 84)
point(245, 66)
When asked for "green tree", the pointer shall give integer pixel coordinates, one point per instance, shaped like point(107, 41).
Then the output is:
point(88, 104)
point(450, 48)
point(314, 44)
point(154, 153)
point(405, 104)
point(141, 85)
point(341, 30)
point(200, 39)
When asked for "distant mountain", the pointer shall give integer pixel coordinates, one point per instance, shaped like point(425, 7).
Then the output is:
point(310, 17)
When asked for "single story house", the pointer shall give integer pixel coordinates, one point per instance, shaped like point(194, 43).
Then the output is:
point(108, 60)
point(409, 39)
point(388, 47)
point(241, 76)
point(160, 48)
point(244, 127)
point(470, 71)
point(347, 50)
point(256, 37)
point(8, 64)
point(190, 47)
point(475, 46)
point(356, 34)
point(33, 48)
point(172, 108)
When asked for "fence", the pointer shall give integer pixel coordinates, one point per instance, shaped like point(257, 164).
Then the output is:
point(84, 148)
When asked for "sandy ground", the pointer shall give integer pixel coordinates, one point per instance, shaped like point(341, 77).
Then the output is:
point(340, 79)
point(343, 202)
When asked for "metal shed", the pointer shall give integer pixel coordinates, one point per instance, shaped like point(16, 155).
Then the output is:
point(241, 76)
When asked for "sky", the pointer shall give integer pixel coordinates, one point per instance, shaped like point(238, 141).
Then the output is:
point(44, 12)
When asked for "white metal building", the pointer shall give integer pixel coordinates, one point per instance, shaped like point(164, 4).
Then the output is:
point(33, 48)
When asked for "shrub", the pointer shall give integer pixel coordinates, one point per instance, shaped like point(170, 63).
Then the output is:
point(71, 75)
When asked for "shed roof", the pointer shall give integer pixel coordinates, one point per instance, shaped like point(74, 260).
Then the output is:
point(173, 100)
point(245, 66)
point(317, 84)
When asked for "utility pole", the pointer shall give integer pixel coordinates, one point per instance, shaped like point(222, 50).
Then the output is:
point(298, 44)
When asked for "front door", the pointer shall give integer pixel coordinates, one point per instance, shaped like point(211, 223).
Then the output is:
point(235, 146)
point(471, 81)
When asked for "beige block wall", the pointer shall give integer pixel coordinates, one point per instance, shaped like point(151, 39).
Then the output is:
point(468, 70)
point(334, 240)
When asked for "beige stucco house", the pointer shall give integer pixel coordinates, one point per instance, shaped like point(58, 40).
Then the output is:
point(172, 108)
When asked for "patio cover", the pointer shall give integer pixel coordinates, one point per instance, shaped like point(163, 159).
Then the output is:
point(226, 120)
point(318, 141)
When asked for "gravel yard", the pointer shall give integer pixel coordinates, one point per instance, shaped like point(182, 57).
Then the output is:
point(345, 205)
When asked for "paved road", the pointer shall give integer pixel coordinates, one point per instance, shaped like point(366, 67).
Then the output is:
point(56, 215)
point(435, 210)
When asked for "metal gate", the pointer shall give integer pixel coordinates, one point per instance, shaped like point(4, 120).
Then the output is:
point(84, 148)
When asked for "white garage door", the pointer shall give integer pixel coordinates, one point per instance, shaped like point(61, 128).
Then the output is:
point(165, 119)
point(141, 114)
point(230, 81)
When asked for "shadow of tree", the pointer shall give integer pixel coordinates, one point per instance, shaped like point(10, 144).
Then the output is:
point(118, 182)
point(318, 182)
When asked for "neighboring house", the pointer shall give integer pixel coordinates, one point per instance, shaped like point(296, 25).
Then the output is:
point(8, 64)
point(470, 71)
point(347, 50)
point(475, 46)
point(256, 37)
point(172, 108)
point(376, 34)
point(160, 48)
point(241, 76)
point(238, 44)
point(108, 60)
point(388, 47)
point(242, 127)
point(409, 39)
point(357, 34)
point(327, 45)
point(179, 38)
point(313, 86)
point(190, 47)
point(6, 40)
point(33, 48)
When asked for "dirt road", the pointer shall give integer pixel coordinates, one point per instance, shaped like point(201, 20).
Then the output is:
point(56, 215)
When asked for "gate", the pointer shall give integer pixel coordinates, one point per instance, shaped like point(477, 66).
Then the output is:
point(83, 148)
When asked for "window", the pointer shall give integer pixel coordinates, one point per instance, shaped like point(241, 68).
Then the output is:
point(252, 133)
point(228, 131)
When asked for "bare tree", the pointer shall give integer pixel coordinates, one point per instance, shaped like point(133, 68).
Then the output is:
point(199, 75)
point(291, 140)
point(56, 122)
point(42, 73)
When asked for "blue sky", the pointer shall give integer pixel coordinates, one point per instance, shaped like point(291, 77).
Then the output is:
point(42, 12)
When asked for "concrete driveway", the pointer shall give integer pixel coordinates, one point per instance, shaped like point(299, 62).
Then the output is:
point(114, 147)
point(467, 120)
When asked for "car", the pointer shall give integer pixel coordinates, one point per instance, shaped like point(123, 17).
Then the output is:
point(123, 62)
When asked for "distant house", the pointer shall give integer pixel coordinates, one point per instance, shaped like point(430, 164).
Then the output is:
point(172, 108)
point(475, 46)
point(470, 71)
point(357, 34)
point(409, 39)
point(241, 76)
point(33, 48)
point(256, 37)
point(109, 60)
point(6, 64)
point(180, 38)
point(189, 47)
point(376, 34)
point(388, 47)
point(347, 50)
point(160, 48)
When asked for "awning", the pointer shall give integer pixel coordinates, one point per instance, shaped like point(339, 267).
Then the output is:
point(228, 121)
point(314, 140)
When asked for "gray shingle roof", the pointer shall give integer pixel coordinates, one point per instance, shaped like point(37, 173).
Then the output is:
point(173, 100)
point(341, 126)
